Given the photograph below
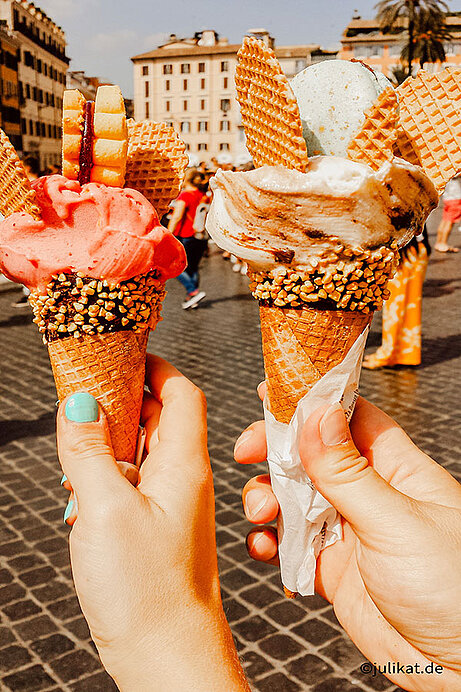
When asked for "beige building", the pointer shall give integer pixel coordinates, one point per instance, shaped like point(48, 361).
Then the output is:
point(42, 67)
point(189, 84)
point(362, 39)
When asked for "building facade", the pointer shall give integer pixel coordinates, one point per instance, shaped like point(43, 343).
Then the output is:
point(10, 117)
point(363, 40)
point(42, 67)
point(189, 84)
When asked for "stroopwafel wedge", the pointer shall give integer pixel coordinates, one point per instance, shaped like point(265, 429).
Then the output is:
point(156, 162)
point(375, 141)
point(430, 124)
point(16, 193)
point(270, 113)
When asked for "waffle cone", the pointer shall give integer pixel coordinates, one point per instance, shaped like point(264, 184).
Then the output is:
point(302, 345)
point(111, 367)
point(374, 142)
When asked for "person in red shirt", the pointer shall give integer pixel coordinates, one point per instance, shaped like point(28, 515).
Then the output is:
point(181, 224)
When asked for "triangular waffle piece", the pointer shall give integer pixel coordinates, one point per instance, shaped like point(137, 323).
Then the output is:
point(16, 193)
point(429, 118)
point(73, 106)
point(270, 113)
point(375, 141)
point(156, 162)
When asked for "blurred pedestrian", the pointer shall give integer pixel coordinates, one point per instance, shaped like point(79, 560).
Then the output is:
point(401, 340)
point(187, 223)
point(451, 214)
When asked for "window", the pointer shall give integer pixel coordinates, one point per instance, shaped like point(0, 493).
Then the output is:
point(185, 84)
point(224, 146)
point(167, 85)
point(300, 65)
point(187, 146)
point(185, 105)
point(28, 91)
point(368, 51)
point(203, 126)
point(50, 132)
point(224, 126)
point(45, 69)
point(168, 69)
point(225, 83)
point(145, 70)
point(167, 105)
point(202, 104)
point(201, 67)
point(185, 68)
point(39, 66)
point(146, 89)
point(202, 147)
point(225, 105)
point(202, 83)
point(31, 127)
point(37, 129)
point(169, 123)
point(185, 126)
point(23, 126)
point(147, 111)
point(225, 66)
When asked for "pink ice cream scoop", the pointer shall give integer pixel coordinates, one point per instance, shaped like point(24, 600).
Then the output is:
point(104, 232)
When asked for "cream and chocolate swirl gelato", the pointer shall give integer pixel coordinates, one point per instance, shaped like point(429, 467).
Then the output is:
point(275, 217)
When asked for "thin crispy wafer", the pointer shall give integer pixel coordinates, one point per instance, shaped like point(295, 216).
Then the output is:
point(270, 113)
point(156, 162)
point(73, 105)
point(110, 142)
point(375, 141)
point(430, 123)
point(16, 193)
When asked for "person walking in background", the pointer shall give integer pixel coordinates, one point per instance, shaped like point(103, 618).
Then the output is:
point(190, 231)
point(401, 341)
point(451, 214)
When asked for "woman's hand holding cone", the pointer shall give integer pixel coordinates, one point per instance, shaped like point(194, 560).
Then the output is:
point(144, 558)
point(398, 569)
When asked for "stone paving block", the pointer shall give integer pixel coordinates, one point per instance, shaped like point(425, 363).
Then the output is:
point(101, 682)
point(281, 647)
point(71, 666)
point(254, 628)
point(286, 613)
point(6, 636)
point(277, 682)
point(13, 657)
point(34, 628)
point(30, 679)
point(309, 669)
point(21, 609)
point(52, 646)
point(334, 684)
point(315, 631)
point(376, 682)
point(344, 653)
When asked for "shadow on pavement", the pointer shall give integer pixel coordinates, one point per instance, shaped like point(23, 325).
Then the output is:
point(17, 320)
point(440, 287)
point(11, 430)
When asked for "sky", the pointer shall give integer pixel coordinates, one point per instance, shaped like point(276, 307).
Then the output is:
point(102, 35)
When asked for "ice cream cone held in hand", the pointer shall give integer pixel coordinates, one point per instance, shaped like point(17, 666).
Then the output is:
point(94, 255)
point(320, 235)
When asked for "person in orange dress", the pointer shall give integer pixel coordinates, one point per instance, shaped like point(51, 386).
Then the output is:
point(401, 341)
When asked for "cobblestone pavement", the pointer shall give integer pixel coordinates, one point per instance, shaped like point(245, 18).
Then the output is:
point(285, 646)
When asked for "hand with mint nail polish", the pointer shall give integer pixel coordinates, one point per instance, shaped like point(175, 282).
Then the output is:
point(143, 548)
point(397, 570)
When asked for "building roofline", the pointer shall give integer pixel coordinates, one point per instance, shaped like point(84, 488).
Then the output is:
point(232, 48)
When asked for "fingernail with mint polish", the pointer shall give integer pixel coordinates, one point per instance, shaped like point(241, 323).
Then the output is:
point(63, 479)
point(82, 408)
point(68, 512)
point(333, 426)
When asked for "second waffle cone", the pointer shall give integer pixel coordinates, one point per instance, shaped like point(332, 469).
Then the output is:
point(111, 367)
point(302, 345)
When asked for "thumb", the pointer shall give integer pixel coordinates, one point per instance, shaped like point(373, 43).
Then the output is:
point(345, 478)
point(85, 450)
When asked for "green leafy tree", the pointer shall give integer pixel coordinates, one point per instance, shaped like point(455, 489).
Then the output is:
point(392, 15)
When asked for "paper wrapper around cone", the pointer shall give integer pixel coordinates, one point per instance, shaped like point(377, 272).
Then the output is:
point(303, 349)
point(111, 367)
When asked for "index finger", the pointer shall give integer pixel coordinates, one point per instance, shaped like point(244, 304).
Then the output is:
point(183, 417)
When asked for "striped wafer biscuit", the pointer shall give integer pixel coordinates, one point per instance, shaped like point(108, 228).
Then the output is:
point(429, 123)
point(375, 141)
point(156, 162)
point(16, 193)
point(109, 136)
point(73, 106)
point(270, 113)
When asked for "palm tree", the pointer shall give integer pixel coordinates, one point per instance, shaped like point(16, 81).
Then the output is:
point(393, 14)
point(430, 35)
